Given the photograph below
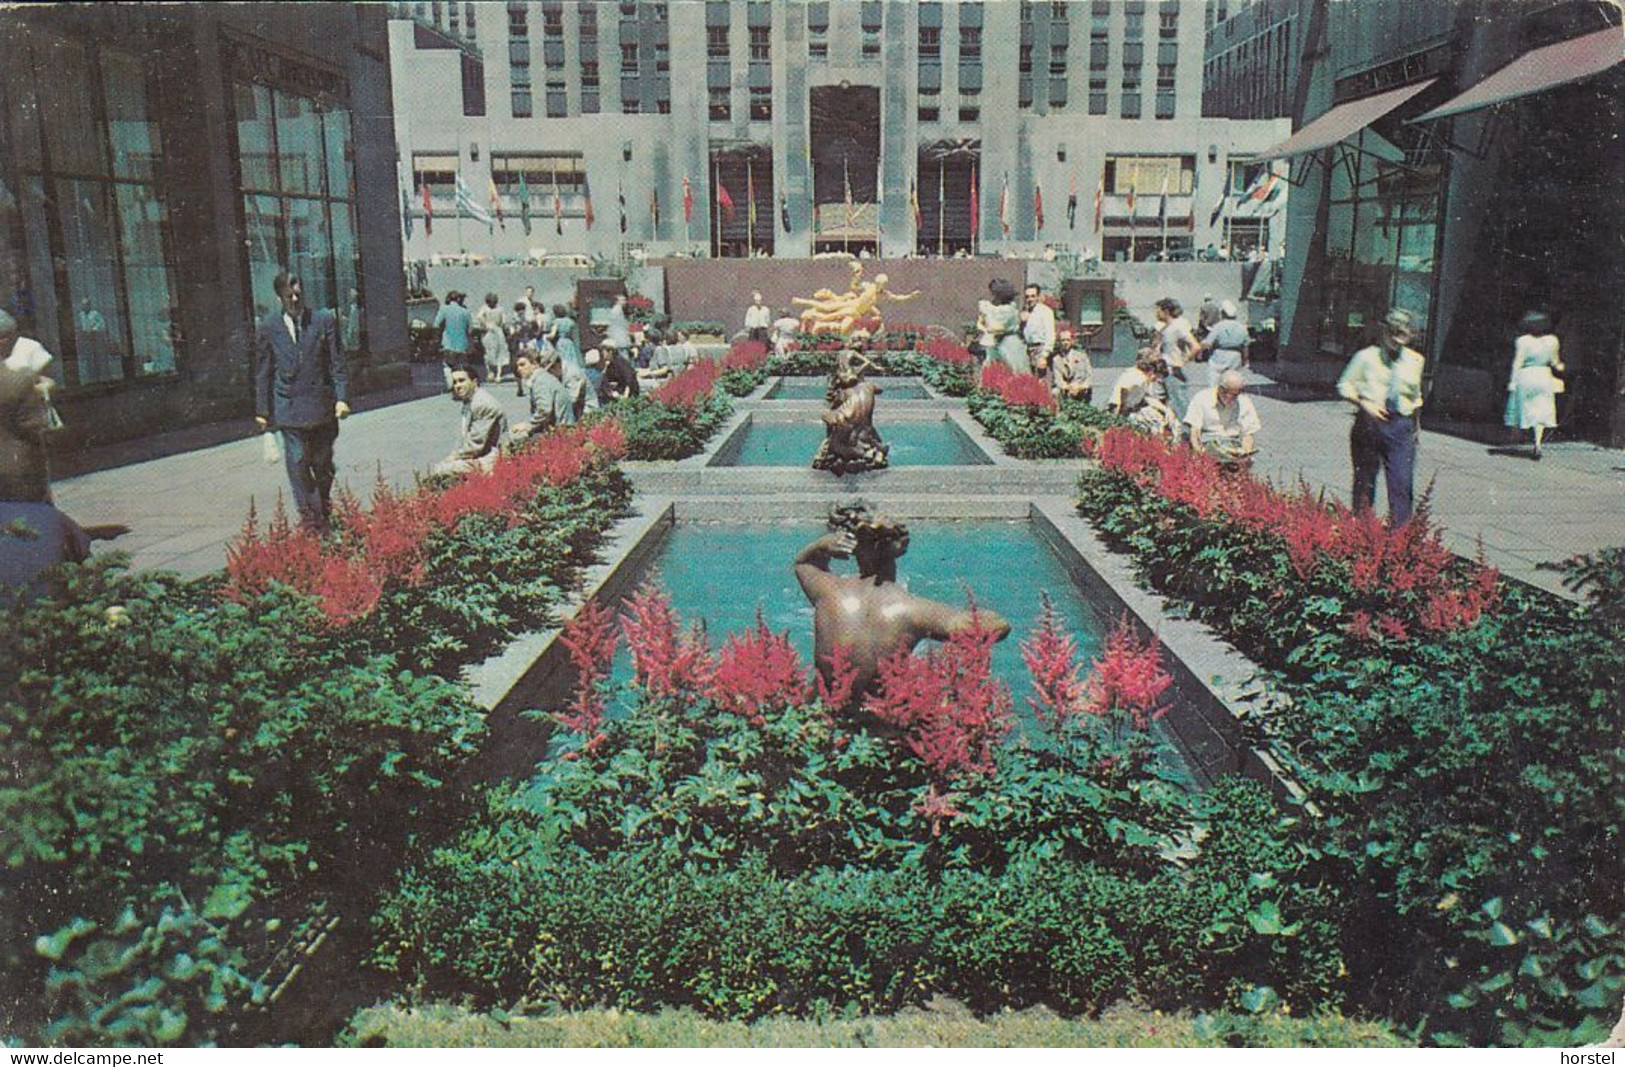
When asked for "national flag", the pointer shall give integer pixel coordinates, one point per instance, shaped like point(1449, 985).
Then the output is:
point(1072, 204)
point(1100, 201)
point(750, 200)
point(688, 201)
point(654, 211)
point(846, 182)
point(818, 220)
point(1162, 202)
point(406, 211)
point(1004, 207)
point(496, 201)
point(725, 202)
point(1263, 186)
point(524, 203)
point(558, 207)
point(1131, 204)
point(1038, 206)
point(428, 211)
point(586, 193)
point(1218, 208)
point(914, 203)
point(620, 197)
point(975, 207)
point(784, 212)
point(466, 204)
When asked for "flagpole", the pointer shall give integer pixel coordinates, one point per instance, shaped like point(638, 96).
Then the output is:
point(750, 209)
point(942, 214)
point(846, 231)
point(457, 198)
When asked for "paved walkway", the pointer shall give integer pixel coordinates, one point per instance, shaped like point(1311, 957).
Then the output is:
point(184, 509)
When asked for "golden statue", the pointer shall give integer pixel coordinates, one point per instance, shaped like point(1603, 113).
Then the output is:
point(840, 313)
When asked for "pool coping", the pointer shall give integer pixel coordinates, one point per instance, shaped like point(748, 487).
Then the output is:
point(728, 441)
point(1218, 686)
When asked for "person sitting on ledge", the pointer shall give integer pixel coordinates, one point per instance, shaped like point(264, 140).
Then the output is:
point(549, 401)
point(1222, 421)
point(870, 617)
point(485, 427)
point(1072, 369)
point(1140, 396)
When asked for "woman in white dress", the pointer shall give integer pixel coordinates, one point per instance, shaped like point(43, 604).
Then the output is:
point(492, 323)
point(1533, 387)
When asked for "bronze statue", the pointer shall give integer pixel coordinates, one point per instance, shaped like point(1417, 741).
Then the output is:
point(869, 617)
point(851, 445)
point(840, 313)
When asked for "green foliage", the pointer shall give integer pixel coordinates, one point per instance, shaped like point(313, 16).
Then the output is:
point(948, 379)
point(1601, 579)
point(656, 431)
point(741, 382)
point(1449, 770)
point(1036, 433)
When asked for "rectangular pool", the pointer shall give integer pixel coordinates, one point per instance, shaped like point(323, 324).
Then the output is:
point(725, 573)
point(933, 443)
point(804, 388)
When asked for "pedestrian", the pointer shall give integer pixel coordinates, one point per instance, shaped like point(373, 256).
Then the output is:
point(491, 323)
point(484, 427)
point(1207, 316)
point(1226, 343)
point(526, 308)
point(1037, 328)
point(1384, 383)
point(1000, 324)
point(785, 329)
point(302, 388)
point(25, 473)
point(454, 322)
point(96, 354)
point(1176, 346)
point(620, 376)
point(1222, 421)
point(617, 328)
point(1534, 384)
point(549, 402)
point(758, 319)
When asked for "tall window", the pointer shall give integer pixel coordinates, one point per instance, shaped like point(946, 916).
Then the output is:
point(1145, 175)
point(970, 42)
point(716, 42)
point(95, 187)
point(629, 58)
point(721, 103)
point(930, 42)
point(761, 43)
point(818, 29)
point(761, 103)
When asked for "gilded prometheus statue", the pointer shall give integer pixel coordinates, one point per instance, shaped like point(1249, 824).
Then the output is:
point(840, 313)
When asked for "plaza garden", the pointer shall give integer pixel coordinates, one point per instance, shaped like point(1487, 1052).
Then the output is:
point(270, 806)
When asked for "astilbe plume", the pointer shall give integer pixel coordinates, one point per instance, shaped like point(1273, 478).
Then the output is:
point(1017, 390)
point(745, 354)
point(837, 692)
point(689, 388)
point(665, 660)
point(1059, 694)
point(1128, 679)
point(759, 671)
point(591, 637)
point(950, 709)
point(945, 351)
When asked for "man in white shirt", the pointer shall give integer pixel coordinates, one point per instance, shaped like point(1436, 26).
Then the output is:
point(1037, 328)
point(758, 319)
point(1384, 383)
point(1223, 421)
point(785, 329)
point(1176, 344)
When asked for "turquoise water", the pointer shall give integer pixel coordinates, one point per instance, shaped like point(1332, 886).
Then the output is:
point(816, 388)
point(722, 574)
point(793, 444)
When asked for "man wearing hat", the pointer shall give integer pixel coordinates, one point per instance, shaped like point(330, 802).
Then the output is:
point(620, 376)
point(1384, 383)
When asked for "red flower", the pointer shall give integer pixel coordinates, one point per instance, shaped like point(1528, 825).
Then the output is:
point(757, 671)
point(1391, 628)
point(1128, 678)
point(689, 388)
point(745, 354)
point(591, 638)
point(665, 661)
point(1359, 626)
point(1059, 694)
point(837, 693)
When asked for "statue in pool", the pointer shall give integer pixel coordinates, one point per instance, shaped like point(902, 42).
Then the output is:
point(851, 445)
point(869, 616)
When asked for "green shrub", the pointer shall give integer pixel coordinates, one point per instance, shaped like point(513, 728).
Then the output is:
point(656, 431)
point(1036, 433)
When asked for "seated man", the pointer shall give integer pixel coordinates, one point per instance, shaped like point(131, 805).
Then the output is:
point(1072, 368)
point(620, 376)
point(485, 427)
point(550, 402)
point(1222, 421)
point(1139, 395)
point(869, 616)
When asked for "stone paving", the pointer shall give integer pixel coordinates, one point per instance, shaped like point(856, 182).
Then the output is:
point(184, 509)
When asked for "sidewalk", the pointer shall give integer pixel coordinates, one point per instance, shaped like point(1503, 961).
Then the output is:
point(184, 509)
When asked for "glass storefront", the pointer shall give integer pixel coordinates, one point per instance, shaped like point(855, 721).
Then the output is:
point(86, 232)
point(297, 187)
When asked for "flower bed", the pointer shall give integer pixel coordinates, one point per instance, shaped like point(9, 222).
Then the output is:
point(737, 844)
point(1458, 736)
point(205, 775)
point(675, 420)
point(1020, 412)
point(744, 368)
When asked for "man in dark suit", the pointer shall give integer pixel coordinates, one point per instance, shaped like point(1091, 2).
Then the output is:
point(301, 387)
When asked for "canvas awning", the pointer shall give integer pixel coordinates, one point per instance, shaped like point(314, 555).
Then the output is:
point(1533, 72)
point(1343, 122)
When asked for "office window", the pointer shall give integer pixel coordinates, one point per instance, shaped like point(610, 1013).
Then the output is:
point(663, 105)
point(930, 42)
point(818, 29)
point(629, 10)
point(1024, 91)
point(1150, 174)
point(1129, 106)
point(716, 42)
point(519, 53)
point(473, 75)
point(1026, 11)
point(1098, 54)
point(1165, 105)
point(1133, 25)
point(1168, 25)
point(970, 108)
point(1133, 56)
point(662, 57)
point(468, 18)
point(629, 59)
point(970, 42)
point(1097, 103)
point(589, 102)
point(589, 75)
point(1057, 10)
point(1025, 64)
point(553, 20)
point(587, 16)
point(929, 112)
point(1057, 58)
point(657, 11)
point(1057, 93)
point(518, 19)
point(761, 103)
point(519, 77)
point(1165, 76)
point(1100, 13)
point(721, 103)
point(1168, 52)
point(630, 105)
point(761, 44)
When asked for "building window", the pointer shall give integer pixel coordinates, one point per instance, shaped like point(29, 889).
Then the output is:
point(970, 108)
point(662, 57)
point(1098, 56)
point(930, 42)
point(929, 112)
point(518, 19)
point(1133, 56)
point(1129, 105)
point(716, 42)
point(587, 16)
point(589, 102)
point(1026, 11)
point(1057, 93)
point(553, 20)
point(721, 103)
point(970, 42)
point(1025, 63)
point(557, 106)
point(663, 105)
point(1057, 58)
point(1165, 105)
point(1165, 76)
point(589, 75)
point(630, 105)
point(818, 29)
point(1097, 103)
point(1024, 91)
point(629, 59)
point(468, 18)
point(1149, 175)
point(761, 43)
point(1100, 13)
point(761, 104)
point(1133, 25)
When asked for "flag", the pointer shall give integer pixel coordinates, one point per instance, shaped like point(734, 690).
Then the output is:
point(466, 204)
point(586, 193)
point(620, 197)
point(1004, 207)
point(975, 207)
point(524, 203)
point(1162, 202)
point(1131, 205)
point(1263, 186)
point(428, 211)
point(406, 211)
point(784, 212)
point(750, 201)
point(1038, 206)
point(1218, 208)
point(818, 220)
point(496, 202)
point(914, 202)
point(654, 211)
point(725, 202)
point(1072, 204)
point(1100, 200)
point(558, 207)
point(688, 201)
point(846, 181)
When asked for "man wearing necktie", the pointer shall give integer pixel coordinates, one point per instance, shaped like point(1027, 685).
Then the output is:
point(301, 387)
point(1384, 383)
